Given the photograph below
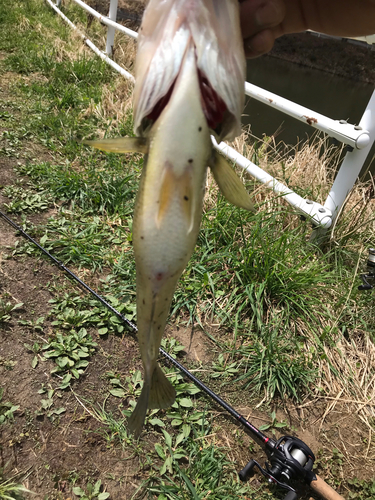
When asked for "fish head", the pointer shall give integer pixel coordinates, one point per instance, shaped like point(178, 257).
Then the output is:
point(168, 28)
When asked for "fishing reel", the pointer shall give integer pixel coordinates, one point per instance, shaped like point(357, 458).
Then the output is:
point(290, 459)
point(370, 276)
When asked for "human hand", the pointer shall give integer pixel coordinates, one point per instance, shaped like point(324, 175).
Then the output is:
point(262, 21)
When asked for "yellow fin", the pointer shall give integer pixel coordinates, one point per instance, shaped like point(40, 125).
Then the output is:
point(229, 183)
point(167, 188)
point(172, 184)
point(120, 145)
point(162, 392)
point(137, 418)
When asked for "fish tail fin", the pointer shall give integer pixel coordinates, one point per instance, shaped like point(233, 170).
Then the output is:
point(137, 418)
point(162, 392)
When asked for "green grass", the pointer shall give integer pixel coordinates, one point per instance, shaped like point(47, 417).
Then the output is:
point(10, 490)
point(280, 304)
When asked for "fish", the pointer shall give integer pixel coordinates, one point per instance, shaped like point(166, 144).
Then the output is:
point(190, 72)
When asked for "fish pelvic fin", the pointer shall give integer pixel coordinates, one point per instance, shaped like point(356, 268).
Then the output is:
point(120, 145)
point(137, 418)
point(168, 186)
point(182, 185)
point(162, 392)
point(229, 183)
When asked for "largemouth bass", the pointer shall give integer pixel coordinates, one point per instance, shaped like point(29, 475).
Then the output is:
point(189, 83)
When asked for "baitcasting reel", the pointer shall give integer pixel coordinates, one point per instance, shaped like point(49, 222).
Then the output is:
point(290, 459)
point(370, 272)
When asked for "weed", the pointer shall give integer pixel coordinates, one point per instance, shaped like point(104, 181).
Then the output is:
point(169, 452)
point(274, 424)
point(74, 311)
point(11, 490)
point(361, 490)
point(172, 346)
point(92, 492)
point(25, 200)
point(223, 369)
point(70, 353)
point(6, 410)
point(208, 473)
point(115, 428)
point(6, 309)
point(282, 306)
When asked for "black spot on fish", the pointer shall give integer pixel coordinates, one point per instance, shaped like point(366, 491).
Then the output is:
point(190, 160)
point(200, 129)
point(142, 237)
point(159, 327)
point(186, 198)
point(159, 276)
point(143, 301)
point(166, 299)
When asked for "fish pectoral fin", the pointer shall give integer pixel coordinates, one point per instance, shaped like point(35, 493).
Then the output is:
point(229, 183)
point(121, 145)
point(162, 392)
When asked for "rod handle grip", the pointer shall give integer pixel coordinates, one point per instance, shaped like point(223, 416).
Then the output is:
point(324, 490)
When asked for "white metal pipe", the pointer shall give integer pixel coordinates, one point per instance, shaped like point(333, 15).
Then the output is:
point(352, 164)
point(318, 214)
point(359, 137)
point(354, 136)
point(105, 58)
point(92, 46)
point(105, 20)
point(111, 30)
point(342, 131)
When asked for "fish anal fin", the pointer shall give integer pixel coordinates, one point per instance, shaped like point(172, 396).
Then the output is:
point(162, 392)
point(120, 145)
point(229, 183)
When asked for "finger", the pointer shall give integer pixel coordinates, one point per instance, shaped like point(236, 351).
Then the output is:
point(259, 44)
point(257, 15)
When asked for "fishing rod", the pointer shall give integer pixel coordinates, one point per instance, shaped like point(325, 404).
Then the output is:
point(290, 458)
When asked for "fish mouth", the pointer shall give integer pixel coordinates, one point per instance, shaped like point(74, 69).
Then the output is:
point(213, 106)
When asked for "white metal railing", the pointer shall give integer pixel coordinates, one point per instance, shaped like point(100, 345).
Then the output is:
point(359, 138)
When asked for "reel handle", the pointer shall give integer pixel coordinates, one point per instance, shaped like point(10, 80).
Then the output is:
point(245, 473)
point(324, 489)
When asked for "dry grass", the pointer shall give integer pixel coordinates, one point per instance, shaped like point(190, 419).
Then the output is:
point(308, 167)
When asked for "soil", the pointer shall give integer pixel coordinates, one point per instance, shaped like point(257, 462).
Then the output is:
point(349, 59)
point(51, 453)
